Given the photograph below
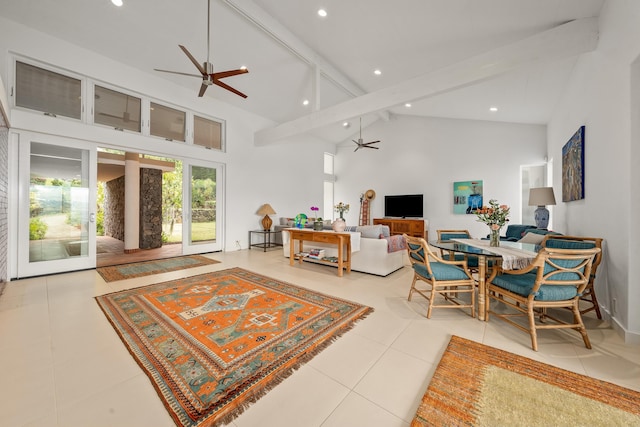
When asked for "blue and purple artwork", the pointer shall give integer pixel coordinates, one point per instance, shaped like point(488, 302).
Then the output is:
point(573, 167)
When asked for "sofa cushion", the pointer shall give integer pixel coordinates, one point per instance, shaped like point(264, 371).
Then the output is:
point(534, 238)
point(543, 232)
point(370, 231)
point(517, 231)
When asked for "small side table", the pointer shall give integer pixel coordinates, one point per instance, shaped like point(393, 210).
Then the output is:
point(268, 239)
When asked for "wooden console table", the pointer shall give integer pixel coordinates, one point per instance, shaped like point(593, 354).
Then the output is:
point(412, 227)
point(330, 237)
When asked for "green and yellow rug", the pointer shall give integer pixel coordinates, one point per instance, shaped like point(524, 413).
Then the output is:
point(214, 343)
point(146, 268)
point(478, 385)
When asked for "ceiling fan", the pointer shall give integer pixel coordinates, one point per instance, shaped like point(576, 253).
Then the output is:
point(362, 144)
point(206, 69)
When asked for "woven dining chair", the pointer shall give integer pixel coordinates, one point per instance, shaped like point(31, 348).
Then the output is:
point(576, 242)
point(444, 235)
point(445, 278)
point(555, 279)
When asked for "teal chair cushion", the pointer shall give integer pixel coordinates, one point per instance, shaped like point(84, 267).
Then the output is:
point(523, 284)
point(568, 244)
point(449, 236)
point(441, 271)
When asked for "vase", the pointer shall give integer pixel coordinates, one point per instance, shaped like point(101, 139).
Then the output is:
point(339, 225)
point(494, 238)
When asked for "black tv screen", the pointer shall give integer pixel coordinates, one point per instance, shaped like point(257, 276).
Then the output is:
point(403, 206)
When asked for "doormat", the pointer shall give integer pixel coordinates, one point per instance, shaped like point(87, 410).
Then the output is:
point(478, 385)
point(146, 268)
point(213, 344)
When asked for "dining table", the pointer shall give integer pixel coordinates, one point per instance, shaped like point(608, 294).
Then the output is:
point(508, 256)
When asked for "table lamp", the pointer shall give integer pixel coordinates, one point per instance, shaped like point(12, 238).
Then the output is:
point(266, 210)
point(541, 197)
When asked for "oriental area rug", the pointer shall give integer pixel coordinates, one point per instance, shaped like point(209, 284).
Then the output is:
point(477, 385)
point(146, 268)
point(214, 343)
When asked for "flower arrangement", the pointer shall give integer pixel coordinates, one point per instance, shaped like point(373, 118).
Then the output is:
point(314, 213)
point(341, 208)
point(495, 215)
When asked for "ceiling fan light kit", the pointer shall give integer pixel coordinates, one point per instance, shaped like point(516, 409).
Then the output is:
point(206, 68)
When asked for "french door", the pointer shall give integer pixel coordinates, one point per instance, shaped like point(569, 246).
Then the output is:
point(202, 200)
point(57, 199)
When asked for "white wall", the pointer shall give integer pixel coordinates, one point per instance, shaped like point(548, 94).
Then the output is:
point(599, 97)
point(286, 176)
point(427, 155)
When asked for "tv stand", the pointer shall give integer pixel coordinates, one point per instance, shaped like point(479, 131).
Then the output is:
point(410, 227)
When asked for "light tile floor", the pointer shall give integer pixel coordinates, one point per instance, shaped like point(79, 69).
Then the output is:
point(62, 364)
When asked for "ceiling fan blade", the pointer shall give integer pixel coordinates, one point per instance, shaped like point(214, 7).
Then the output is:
point(355, 141)
point(196, 63)
point(178, 72)
point(203, 88)
point(357, 148)
point(373, 142)
point(230, 73)
point(229, 88)
point(368, 146)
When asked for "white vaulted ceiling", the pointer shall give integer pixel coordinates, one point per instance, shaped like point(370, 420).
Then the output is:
point(427, 51)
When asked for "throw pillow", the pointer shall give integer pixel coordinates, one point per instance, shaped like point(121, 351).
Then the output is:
point(370, 231)
point(533, 238)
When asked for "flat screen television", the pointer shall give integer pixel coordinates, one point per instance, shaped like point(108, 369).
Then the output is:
point(403, 206)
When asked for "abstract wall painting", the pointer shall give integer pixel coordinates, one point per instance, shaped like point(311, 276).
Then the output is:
point(573, 167)
point(467, 197)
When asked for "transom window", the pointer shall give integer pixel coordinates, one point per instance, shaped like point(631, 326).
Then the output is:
point(57, 94)
point(207, 133)
point(167, 122)
point(52, 93)
point(116, 109)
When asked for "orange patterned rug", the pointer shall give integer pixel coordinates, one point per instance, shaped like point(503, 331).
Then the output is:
point(214, 343)
point(478, 385)
point(146, 268)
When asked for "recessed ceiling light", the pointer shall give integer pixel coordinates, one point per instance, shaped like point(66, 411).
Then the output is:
point(408, 105)
point(377, 72)
point(346, 125)
point(493, 109)
point(322, 13)
point(305, 102)
point(117, 2)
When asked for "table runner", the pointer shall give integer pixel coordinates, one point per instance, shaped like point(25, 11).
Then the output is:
point(512, 258)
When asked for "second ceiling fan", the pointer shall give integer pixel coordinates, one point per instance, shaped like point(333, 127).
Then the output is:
point(206, 69)
point(360, 144)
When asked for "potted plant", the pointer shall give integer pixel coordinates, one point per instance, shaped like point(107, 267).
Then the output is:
point(317, 223)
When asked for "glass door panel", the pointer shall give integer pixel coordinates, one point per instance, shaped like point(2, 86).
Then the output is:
point(202, 192)
point(57, 228)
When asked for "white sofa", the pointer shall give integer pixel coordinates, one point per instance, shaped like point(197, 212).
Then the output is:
point(371, 258)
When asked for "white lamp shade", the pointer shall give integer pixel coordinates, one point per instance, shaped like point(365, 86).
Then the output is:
point(542, 196)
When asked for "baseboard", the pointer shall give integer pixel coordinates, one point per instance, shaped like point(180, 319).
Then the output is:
point(628, 336)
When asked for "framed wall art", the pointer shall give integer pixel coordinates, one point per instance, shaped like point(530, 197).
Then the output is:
point(573, 167)
point(467, 197)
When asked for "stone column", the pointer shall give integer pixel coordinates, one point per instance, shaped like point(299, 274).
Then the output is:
point(131, 203)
